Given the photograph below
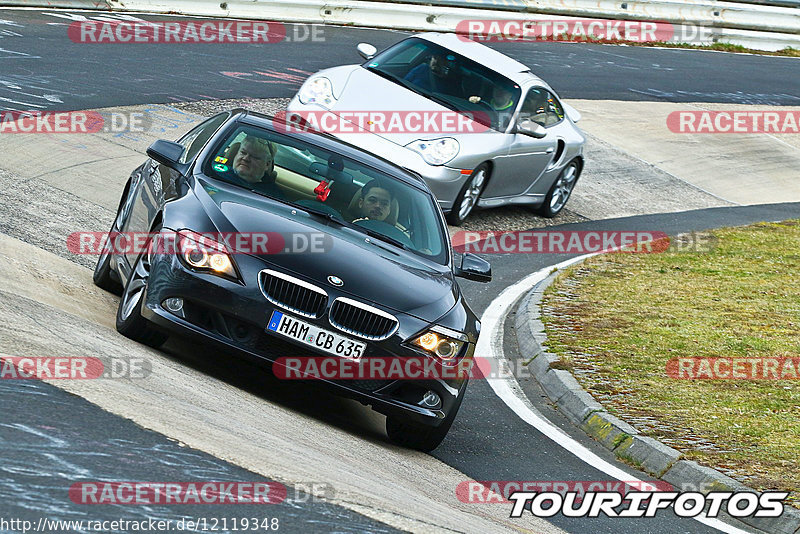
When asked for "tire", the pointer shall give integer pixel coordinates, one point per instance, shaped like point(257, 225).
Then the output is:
point(103, 277)
point(130, 322)
point(469, 195)
point(560, 191)
point(417, 436)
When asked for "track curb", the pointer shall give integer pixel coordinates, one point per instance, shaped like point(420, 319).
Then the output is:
point(621, 438)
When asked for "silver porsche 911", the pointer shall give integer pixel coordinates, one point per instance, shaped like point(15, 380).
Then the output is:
point(517, 142)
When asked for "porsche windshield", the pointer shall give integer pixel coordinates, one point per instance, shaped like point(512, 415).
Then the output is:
point(361, 197)
point(450, 79)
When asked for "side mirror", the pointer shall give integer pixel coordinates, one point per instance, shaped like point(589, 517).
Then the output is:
point(167, 153)
point(366, 50)
point(572, 113)
point(474, 268)
point(530, 128)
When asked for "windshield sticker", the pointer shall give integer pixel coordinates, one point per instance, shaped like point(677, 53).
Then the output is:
point(220, 159)
point(220, 168)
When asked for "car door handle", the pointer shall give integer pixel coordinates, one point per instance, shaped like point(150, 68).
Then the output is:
point(549, 150)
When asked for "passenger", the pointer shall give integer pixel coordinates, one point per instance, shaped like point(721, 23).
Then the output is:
point(375, 202)
point(437, 75)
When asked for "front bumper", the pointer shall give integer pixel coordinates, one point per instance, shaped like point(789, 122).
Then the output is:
point(445, 182)
point(234, 316)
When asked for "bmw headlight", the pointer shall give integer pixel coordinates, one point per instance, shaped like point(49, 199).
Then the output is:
point(204, 253)
point(436, 151)
point(442, 342)
point(317, 91)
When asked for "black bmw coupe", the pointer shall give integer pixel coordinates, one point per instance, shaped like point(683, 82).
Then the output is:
point(295, 247)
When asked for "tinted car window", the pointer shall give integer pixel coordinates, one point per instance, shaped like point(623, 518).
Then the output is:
point(450, 79)
point(194, 141)
point(541, 107)
point(555, 113)
point(290, 170)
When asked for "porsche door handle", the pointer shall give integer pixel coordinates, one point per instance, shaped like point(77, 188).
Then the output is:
point(549, 150)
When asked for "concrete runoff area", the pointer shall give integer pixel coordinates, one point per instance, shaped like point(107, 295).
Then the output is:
point(735, 167)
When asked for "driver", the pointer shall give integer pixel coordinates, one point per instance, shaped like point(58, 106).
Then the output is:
point(254, 167)
point(502, 99)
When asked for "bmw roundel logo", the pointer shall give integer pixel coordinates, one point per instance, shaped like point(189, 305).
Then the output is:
point(336, 281)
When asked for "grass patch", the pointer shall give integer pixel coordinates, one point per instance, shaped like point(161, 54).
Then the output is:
point(725, 47)
point(619, 318)
point(720, 47)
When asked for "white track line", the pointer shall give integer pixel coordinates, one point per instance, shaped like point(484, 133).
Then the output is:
point(490, 345)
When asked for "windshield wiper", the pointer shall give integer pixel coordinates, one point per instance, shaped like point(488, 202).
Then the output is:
point(315, 211)
point(321, 213)
point(385, 238)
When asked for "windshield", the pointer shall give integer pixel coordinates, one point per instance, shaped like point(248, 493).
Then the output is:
point(450, 79)
point(353, 194)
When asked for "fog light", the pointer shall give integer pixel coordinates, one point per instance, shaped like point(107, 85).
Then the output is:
point(431, 400)
point(174, 304)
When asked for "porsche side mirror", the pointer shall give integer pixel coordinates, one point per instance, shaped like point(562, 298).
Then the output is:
point(530, 128)
point(366, 50)
point(474, 268)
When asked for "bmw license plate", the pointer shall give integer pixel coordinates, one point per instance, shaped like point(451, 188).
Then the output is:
point(316, 337)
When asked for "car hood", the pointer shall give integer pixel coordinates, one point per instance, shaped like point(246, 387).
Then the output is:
point(372, 271)
point(366, 91)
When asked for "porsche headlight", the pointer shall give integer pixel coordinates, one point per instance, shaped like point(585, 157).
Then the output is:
point(205, 254)
point(442, 342)
point(436, 151)
point(317, 91)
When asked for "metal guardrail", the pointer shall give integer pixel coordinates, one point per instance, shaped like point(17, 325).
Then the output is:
point(710, 13)
point(751, 25)
point(66, 4)
point(778, 3)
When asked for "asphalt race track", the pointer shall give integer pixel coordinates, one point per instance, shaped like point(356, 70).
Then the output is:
point(52, 438)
